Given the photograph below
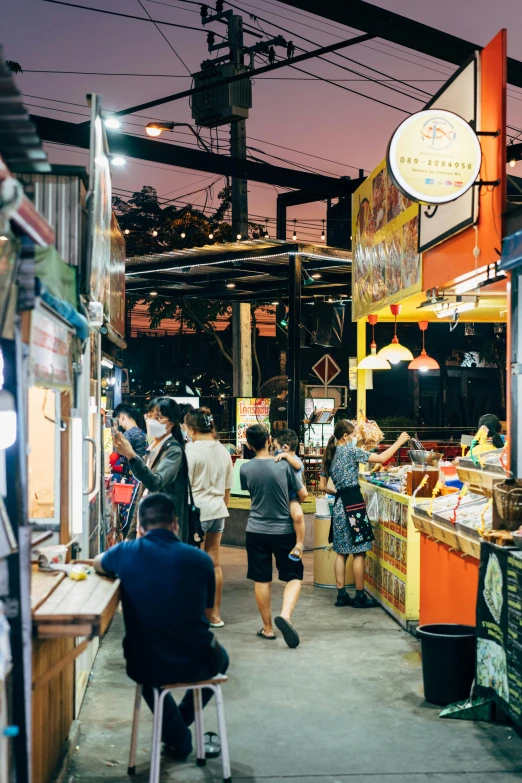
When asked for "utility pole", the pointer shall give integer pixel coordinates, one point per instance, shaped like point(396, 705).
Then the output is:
point(229, 102)
point(241, 328)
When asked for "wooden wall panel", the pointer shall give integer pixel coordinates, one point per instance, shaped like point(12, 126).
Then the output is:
point(53, 706)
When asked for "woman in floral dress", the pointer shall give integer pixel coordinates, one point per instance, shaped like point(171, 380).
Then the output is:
point(352, 530)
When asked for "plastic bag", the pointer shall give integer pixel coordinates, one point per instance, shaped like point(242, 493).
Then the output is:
point(367, 432)
point(372, 507)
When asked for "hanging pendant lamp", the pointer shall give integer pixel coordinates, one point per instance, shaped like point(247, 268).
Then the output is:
point(423, 362)
point(395, 352)
point(372, 361)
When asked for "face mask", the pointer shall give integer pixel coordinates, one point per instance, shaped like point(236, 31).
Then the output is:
point(156, 429)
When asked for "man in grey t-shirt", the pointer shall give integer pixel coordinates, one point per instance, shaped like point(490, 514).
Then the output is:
point(270, 532)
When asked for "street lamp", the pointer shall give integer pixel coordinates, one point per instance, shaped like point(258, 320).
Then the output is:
point(157, 128)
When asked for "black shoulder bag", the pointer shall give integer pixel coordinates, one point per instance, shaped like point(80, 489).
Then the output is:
point(196, 534)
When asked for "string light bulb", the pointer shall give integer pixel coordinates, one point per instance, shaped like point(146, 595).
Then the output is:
point(127, 231)
point(238, 237)
point(154, 233)
point(211, 235)
point(323, 234)
point(294, 235)
point(512, 160)
point(183, 235)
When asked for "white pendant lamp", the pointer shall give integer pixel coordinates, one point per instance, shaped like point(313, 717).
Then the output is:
point(395, 352)
point(373, 361)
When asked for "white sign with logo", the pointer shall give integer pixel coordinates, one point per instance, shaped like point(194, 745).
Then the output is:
point(434, 156)
point(461, 94)
point(49, 351)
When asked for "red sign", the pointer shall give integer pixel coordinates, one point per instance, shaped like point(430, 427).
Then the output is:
point(326, 369)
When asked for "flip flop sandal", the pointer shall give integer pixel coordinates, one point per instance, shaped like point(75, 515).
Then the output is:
point(290, 635)
point(217, 625)
point(296, 554)
point(212, 745)
point(264, 636)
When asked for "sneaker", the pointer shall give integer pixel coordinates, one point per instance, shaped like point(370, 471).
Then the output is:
point(365, 602)
point(344, 600)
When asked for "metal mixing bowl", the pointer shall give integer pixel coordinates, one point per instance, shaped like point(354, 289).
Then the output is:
point(421, 457)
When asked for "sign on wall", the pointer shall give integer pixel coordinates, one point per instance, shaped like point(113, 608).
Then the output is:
point(434, 157)
point(460, 95)
point(251, 410)
point(386, 265)
point(50, 346)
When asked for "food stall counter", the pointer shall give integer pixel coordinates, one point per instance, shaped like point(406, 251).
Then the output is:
point(392, 566)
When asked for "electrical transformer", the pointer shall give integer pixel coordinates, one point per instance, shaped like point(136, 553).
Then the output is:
point(222, 104)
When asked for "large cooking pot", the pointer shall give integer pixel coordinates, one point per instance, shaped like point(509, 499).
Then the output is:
point(422, 457)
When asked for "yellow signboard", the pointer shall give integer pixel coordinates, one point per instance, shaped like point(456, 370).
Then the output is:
point(251, 410)
point(386, 262)
point(434, 156)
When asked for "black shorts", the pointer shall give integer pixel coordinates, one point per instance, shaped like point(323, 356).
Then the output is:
point(260, 548)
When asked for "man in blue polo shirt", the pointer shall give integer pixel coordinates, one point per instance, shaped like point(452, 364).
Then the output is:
point(166, 589)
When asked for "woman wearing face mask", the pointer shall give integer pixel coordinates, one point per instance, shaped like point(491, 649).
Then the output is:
point(352, 531)
point(164, 469)
point(184, 408)
point(210, 474)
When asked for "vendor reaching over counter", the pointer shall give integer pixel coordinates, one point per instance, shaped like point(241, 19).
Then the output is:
point(352, 530)
point(493, 425)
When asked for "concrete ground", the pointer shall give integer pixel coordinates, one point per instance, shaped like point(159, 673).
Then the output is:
point(345, 706)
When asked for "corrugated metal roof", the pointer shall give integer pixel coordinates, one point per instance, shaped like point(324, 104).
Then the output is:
point(20, 145)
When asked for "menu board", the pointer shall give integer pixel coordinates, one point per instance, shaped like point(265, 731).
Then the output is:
point(251, 410)
point(386, 265)
point(499, 628)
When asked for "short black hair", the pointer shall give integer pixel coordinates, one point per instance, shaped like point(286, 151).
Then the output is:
point(287, 438)
point(156, 510)
point(257, 436)
point(129, 410)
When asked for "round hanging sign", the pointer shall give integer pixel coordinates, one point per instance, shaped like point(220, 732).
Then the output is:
point(434, 156)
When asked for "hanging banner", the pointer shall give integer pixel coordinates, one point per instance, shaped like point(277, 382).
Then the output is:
point(251, 410)
point(50, 364)
point(386, 265)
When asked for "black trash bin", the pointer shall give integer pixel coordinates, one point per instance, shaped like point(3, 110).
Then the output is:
point(448, 661)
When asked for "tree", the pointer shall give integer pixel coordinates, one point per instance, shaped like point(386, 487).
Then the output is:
point(156, 229)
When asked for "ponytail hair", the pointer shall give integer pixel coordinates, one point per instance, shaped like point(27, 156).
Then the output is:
point(200, 420)
point(343, 427)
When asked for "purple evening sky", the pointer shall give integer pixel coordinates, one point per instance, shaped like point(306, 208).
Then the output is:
point(327, 128)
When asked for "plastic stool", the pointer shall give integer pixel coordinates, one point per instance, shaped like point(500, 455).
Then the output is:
point(159, 697)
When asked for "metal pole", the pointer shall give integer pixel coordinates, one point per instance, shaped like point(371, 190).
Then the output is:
point(241, 330)
point(515, 369)
point(294, 343)
point(361, 374)
point(281, 219)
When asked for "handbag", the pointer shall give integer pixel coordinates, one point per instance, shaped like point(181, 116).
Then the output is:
point(196, 534)
point(359, 527)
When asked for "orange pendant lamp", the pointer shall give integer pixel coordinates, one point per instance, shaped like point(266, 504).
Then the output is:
point(372, 361)
point(423, 362)
point(395, 352)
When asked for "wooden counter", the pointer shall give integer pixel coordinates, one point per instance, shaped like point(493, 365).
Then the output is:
point(63, 610)
point(83, 608)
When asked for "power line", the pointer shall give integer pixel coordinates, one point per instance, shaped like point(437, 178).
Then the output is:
point(165, 38)
point(125, 16)
point(342, 56)
point(184, 76)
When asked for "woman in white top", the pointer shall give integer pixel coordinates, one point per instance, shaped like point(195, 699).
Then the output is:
point(210, 475)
